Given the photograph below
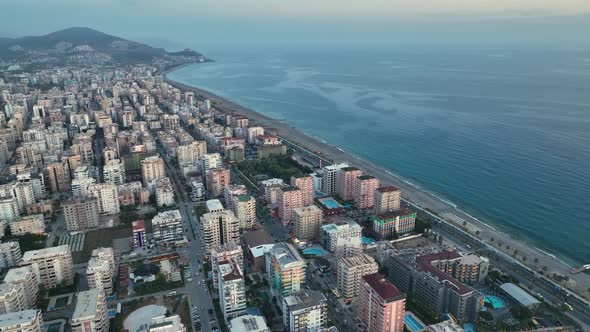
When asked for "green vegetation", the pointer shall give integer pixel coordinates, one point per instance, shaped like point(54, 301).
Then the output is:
point(158, 285)
point(276, 166)
point(185, 315)
point(426, 315)
point(100, 238)
point(29, 241)
point(219, 315)
point(422, 225)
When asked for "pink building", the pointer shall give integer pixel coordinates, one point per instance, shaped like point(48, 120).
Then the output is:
point(288, 198)
point(305, 184)
point(364, 187)
point(381, 304)
point(217, 179)
point(345, 181)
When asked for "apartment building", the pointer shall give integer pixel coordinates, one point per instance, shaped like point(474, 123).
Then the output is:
point(189, 154)
point(330, 177)
point(209, 161)
point(152, 168)
point(164, 192)
point(114, 172)
point(244, 207)
point(90, 314)
point(12, 298)
point(230, 192)
point(139, 235)
point(22, 321)
point(381, 305)
point(33, 224)
point(285, 269)
point(168, 230)
point(80, 213)
point(305, 311)
point(351, 270)
point(232, 289)
point(344, 237)
point(271, 189)
point(27, 279)
point(346, 178)
point(220, 228)
point(58, 174)
point(365, 186)
point(307, 221)
point(108, 197)
point(10, 255)
point(228, 252)
point(216, 179)
point(394, 223)
point(387, 198)
point(53, 265)
point(288, 198)
point(305, 184)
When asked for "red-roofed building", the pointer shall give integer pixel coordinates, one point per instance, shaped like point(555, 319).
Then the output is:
point(381, 304)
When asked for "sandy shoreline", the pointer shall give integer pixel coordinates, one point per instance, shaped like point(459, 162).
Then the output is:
point(535, 257)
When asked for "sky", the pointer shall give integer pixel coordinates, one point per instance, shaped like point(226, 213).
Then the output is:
point(210, 23)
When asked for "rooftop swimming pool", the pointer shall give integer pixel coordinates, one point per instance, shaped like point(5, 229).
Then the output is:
point(494, 301)
point(412, 322)
point(314, 251)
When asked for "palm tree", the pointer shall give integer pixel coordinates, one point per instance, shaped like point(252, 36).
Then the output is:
point(524, 258)
point(544, 268)
point(477, 233)
point(536, 260)
point(492, 239)
point(515, 252)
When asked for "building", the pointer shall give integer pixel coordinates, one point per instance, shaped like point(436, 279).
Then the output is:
point(254, 132)
point(9, 209)
point(230, 192)
point(22, 321)
point(330, 178)
point(59, 176)
point(394, 223)
point(189, 154)
point(139, 237)
point(90, 314)
point(80, 213)
point(288, 198)
point(244, 207)
point(271, 189)
point(10, 255)
point(381, 305)
point(53, 265)
point(469, 268)
point(26, 277)
point(248, 323)
point(164, 192)
point(343, 237)
point(285, 269)
point(429, 286)
point(520, 296)
point(305, 311)
point(166, 324)
point(256, 245)
point(228, 252)
point(209, 161)
point(152, 168)
point(168, 228)
point(232, 289)
point(114, 172)
point(33, 224)
point(305, 184)
point(351, 270)
point(220, 228)
point(12, 298)
point(101, 269)
point(346, 178)
point(80, 186)
point(108, 197)
point(365, 186)
point(387, 199)
point(214, 205)
point(216, 180)
point(307, 221)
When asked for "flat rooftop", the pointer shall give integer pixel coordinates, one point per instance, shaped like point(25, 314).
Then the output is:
point(387, 189)
point(86, 304)
point(386, 290)
point(19, 318)
point(59, 250)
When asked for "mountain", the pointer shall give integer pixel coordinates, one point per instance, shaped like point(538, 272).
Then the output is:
point(77, 44)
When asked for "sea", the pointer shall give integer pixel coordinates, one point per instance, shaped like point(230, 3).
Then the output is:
point(501, 133)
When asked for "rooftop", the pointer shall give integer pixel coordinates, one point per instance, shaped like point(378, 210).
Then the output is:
point(386, 290)
point(86, 304)
point(248, 323)
point(19, 318)
point(286, 254)
point(394, 214)
point(289, 188)
point(304, 299)
point(244, 198)
point(349, 169)
point(214, 205)
point(361, 259)
point(424, 263)
point(59, 250)
point(521, 296)
point(138, 225)
point(387, 189)
point(366, 177)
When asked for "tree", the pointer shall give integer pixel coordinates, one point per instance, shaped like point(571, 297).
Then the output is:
point(477, 233)
point(465, 224)
point(544, 268)
point(536, 260)
point(492, 239)
point(515, 252)
point(524, 258)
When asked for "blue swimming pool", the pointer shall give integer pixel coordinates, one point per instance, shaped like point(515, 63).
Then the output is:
point(330, 203)
point(494, 301)
point(314, 252)
point(368, 240)
point(411, 323)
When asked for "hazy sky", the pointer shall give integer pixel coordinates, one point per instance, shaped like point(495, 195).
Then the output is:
point(210, 22)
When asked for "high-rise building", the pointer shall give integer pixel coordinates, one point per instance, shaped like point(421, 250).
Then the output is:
point(232, 289)
point(9, 209)
point(285, 269)
point(394, 223)
point(164, 192)
point(305, 311)
point(90, 314)
point(253, 132)
point(307, 221)
point(381, 305)
point(53, 265)
point(345, 182)
point(220, 228)
point(189, 154)
point(139, 237)
point(167, 226)
point(350, 271)
point(231, 191)
point(10, 254)
point(365, 186)
point(330, 178)
point(27, 279)
point(209, 161)
point(229, 252)
point(248, 323)
point(387, 199)
point(305, 184)
point(244, 207)
point(80, 213)
point(152, 168)
point(12, 298)
point(114, 172)
point(101, 269)
point(22, 321)
point(288, 198)
point(343, 237)
point(108, 197)
point(59, 176)
point(80, 186)
point(216, 180)
point(272, 189)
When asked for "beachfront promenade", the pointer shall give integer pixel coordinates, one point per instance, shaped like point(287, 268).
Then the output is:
point(530, 260)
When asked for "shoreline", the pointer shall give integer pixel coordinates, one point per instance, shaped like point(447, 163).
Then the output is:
point(411, 192)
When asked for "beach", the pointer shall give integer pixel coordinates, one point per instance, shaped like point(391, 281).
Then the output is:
point(527, 254)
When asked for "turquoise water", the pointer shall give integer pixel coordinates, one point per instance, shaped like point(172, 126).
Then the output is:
point(496, 302)
point(502, 133)
point(412, 323)
point(368, 240)
point(330, 203)
point(314, 252)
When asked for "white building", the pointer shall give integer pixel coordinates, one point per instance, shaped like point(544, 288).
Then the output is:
point(100, 274)
point(248, 323)
point(80, 186)
point(271, 189)
point(108, 197)
point(27, 278)
point(231, 191)
point(229, 252)
point(12, 298)
point(168, 228)
point(305, 311)
point(232, 289)
point(214, 205)
point(9, 209)
point(209, 161)
point(220, 228)
point(114, 172)
point(330, 177)
point(53, 265)
point(244, 208)
point(189, 154)
point(152, 168)
point(90, 314)
point(164, 192)
point(343, 237)
point(166, 324)
point(22, 321)
point(10, 255)
point(253, 132)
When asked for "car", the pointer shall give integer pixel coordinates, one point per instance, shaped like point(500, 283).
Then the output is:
point(189, 279)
